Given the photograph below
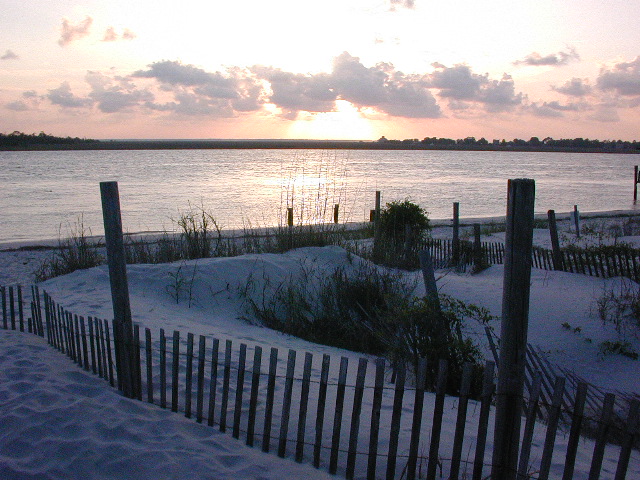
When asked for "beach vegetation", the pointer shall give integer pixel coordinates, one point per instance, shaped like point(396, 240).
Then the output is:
point(78, 250)
point(371, 310)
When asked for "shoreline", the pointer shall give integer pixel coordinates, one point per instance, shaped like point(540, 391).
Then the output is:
point(280, 144)
point(152, 236)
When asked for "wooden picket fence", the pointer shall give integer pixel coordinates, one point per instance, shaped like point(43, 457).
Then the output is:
point(389, 433)
point(605, 262)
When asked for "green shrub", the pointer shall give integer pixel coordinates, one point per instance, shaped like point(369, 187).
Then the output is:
point(395, 217)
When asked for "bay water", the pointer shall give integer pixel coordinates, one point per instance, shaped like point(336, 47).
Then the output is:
point(45, 195)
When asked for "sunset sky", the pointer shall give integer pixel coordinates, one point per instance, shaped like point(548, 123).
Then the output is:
point(354, 69)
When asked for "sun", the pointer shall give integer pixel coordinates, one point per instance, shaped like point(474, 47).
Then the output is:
point(345, 123)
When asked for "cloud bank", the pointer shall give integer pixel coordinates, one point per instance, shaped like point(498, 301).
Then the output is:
point(174, 88)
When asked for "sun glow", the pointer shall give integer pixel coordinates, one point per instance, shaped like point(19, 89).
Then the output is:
point(345, 123)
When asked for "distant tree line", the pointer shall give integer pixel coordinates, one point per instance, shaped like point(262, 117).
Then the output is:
point(19, 140)
point(534, 143)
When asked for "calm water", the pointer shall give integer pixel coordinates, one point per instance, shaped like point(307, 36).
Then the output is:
point(44, 193)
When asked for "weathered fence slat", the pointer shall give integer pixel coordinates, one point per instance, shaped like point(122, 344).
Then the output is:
point(226, 376)
point(574, 433)
point(337, 418)
point(396, 415)
point(109, 357)
point(286, 404)
point(631, 430)
point(20, 308)
point(85, 348)
point(12, 308)
point(488, 388)
point(79, 358)
point(322, 398)
point(375, 419)
point(188, 387)
point(438, 411)
point(237, 412)
point(253, 399)
point(163, 369)
point(213, 382)
point(175, 369)
point(601, 436)
point(355, 417)
point(304, 400)
point(96, 330)
point(527, 436)
point(92, 343)
point(5, 323)
point(552, 427)
point(149, 359)
point(268, 408)
point(418, 406)
point(465, 388)
point(202, 350)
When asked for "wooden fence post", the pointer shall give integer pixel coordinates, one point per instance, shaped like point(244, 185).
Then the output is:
point(290, 225)
point(123, 336)
point(635, 184)
point(336, 210)
point(477, 247)
point(456, 234)
point(428, 275)
point(555, 243)
point(376, 229)
point(576, 220)
point(513, 334)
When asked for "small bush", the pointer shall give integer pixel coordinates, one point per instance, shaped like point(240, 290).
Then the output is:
point(618, 348)
point(396, 216)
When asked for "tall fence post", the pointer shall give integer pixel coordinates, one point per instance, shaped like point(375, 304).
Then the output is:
point(635, 184)
point(336, 212)
point(456, 233)
point(513, 333)
point(576, 220)
point(123, 334)
point(555, 243)
point(376, 229)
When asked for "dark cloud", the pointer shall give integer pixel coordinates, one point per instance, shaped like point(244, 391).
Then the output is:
point(176, 73)
point(576, 87)
point(70, 33)
point(63, 97)
point(554, 59)
point(556, 109)
point(114, 94)
point(294, 92)
point(9, 55)
point(30, 94)
point(459, 84)
point(544, 110)
point(623, 78)
point(198, 92)
point(380, 87)
point(17, 106)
